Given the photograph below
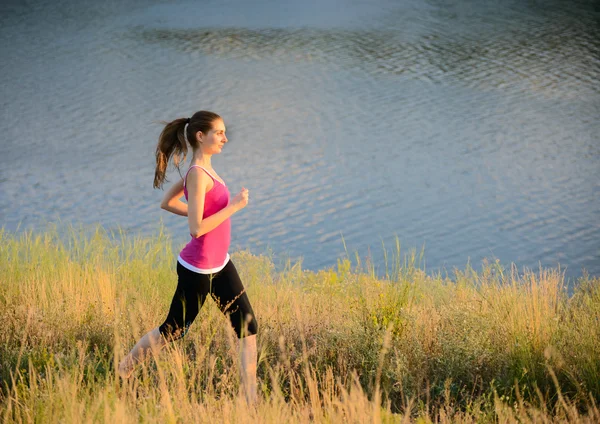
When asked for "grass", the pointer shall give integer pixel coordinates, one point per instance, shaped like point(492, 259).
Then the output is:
point(338, 345)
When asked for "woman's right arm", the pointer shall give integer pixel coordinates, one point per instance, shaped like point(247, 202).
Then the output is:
point(171, 200)
point(197, 183)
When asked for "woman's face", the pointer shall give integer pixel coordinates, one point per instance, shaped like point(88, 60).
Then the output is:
point(213, 141)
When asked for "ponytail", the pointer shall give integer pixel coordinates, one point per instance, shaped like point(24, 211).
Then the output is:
point(172, 141)
point(171, 144)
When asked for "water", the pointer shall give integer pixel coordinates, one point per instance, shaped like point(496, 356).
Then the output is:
point(468, 130)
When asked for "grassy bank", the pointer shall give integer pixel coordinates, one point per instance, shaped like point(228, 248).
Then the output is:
point(489, 345)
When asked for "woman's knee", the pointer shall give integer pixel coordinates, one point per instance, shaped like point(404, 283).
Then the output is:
point(244, 326)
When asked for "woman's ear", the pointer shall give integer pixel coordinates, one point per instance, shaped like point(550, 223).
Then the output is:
point(199, 136)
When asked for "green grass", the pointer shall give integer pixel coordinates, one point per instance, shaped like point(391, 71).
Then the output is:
point(338, 345)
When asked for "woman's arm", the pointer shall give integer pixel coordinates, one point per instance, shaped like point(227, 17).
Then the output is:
point(197, 183)
point(171, 201)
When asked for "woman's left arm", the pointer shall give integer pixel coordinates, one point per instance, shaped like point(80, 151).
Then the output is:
point(171, 202)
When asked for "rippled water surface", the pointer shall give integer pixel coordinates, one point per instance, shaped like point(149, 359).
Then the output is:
point(468, 129)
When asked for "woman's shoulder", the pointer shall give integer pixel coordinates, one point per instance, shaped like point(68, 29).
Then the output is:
point(197, 175)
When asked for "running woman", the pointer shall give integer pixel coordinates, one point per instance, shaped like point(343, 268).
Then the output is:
point(203, 266)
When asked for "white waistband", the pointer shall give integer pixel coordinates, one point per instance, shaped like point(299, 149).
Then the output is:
point(200, 270)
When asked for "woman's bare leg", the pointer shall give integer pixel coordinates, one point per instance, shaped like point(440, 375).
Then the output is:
point(151, 340)
point(248, 356)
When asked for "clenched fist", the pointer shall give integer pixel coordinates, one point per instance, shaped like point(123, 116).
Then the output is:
point(241, 199)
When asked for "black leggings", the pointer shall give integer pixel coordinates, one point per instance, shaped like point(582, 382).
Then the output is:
point(226, 289)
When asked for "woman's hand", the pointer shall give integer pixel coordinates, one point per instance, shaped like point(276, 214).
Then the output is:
point(241, 199)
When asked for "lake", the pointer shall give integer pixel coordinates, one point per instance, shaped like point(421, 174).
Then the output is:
point(468, 130)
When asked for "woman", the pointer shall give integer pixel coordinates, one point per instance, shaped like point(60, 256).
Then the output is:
point(203, 266)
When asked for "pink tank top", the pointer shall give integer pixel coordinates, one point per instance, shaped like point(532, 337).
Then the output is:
point(209, 253)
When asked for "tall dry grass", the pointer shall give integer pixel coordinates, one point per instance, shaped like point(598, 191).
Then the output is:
point(338, 345)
